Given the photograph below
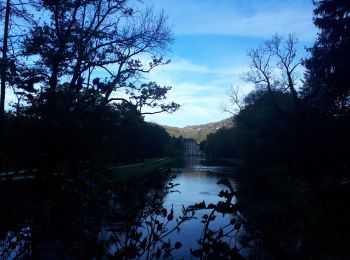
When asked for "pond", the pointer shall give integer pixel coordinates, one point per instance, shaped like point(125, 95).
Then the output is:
point(197, 180)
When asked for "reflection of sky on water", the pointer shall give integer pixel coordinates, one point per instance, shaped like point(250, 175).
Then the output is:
point(197, 183)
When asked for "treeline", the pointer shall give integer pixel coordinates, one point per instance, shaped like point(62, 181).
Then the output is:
point(293, 140)
point(198, 132)
point(77, 78)
point(81, 142)
point(304, 128)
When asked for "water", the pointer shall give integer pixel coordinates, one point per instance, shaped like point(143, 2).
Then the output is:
point(197, 180)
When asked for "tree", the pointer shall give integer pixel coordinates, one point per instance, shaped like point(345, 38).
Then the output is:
point(4, 62)
point(236, 103)
point(273, 66)
point(81, 78)
point(12, 33)
point(16, 17)
point(327, 83)
point(85, 40)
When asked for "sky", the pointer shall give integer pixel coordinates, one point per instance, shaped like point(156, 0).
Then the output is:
point(208, 55)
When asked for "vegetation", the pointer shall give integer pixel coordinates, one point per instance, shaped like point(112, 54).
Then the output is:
point(293, 141)
point(77, 77)
point(198, 132)
point(81, 99)
point(77, 135)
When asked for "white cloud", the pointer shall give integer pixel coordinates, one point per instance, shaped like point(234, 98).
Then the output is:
point(181, 66)
point(200, 103)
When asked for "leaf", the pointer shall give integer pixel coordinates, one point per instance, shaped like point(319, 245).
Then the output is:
point(198, 206)
point(171, 215)
point(226, 183)
point(211, 206)
point(164, 212)
point(177, 245)
point(159, 226)
point(237, 226)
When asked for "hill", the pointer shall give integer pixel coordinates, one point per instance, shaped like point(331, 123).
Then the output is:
point(198, 132)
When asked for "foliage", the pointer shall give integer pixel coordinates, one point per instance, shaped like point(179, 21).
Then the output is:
point(79, 82)
point(105, 36)
point(327, 82)
point(82, 138)
point(123, 219)
point(198, 132)
point(260, 135)
point(218, 243)
point(294, 145)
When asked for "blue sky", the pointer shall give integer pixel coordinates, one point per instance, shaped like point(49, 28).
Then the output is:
point(211, 38)
point(209, 51)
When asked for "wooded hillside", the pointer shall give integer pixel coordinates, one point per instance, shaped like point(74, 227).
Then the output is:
point(198, 132)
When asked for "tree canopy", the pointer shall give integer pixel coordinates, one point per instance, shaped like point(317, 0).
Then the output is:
point(80, 75)
point(327, 84)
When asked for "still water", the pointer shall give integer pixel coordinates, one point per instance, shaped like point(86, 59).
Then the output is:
point(197, 182)
point(197, 179)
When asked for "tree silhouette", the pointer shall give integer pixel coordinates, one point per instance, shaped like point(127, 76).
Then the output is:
point(273, 67)
point(15, 17)
point(86, 39)
point(327, 85)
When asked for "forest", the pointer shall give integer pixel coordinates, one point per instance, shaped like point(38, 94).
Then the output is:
point(65, 72)
point(292, 141)
point(78, 72)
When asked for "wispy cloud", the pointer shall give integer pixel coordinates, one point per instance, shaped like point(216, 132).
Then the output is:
point(182, 65)
point(200, 102)
point(228, 17)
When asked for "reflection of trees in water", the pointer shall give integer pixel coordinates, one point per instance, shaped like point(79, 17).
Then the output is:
point(16, 245)
point(149, 234)
point(192, 161)
point(145, 234)
point(80, 218)
point(60, 217)
point(63, 218)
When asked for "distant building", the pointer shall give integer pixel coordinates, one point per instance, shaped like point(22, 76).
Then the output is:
point(192, 148)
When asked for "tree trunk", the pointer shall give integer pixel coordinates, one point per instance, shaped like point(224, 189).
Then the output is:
point(4, 65)
point(3, 83)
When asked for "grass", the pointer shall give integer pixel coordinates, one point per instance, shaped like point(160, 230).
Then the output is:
point(136, 170)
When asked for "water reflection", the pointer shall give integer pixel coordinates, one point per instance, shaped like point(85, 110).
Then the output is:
point(16, 245)
point(136, 202)
point(197, 181)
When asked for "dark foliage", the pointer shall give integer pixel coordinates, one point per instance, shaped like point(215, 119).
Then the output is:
point(67, 115)
point(297, 149)
point(327, 86)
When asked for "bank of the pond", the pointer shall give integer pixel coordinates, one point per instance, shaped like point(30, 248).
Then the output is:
point(294, 217)
point(76, 208)
point(129, 171)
